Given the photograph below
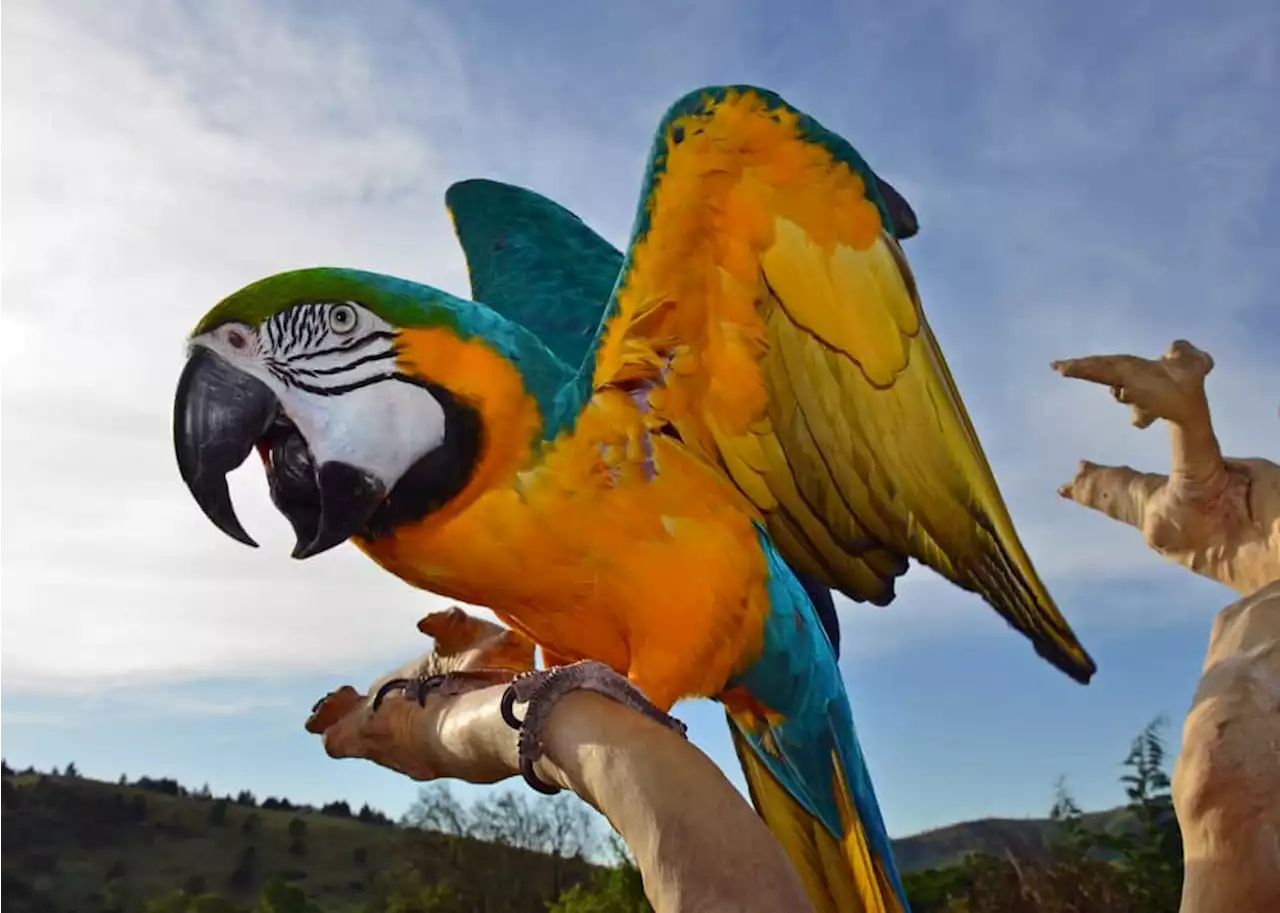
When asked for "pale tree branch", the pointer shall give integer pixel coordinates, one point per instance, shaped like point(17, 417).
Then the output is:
point(698, 844)
point(1219, 517)
point(1226, 782)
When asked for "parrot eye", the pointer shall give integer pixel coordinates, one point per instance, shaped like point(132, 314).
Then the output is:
point(342, 319)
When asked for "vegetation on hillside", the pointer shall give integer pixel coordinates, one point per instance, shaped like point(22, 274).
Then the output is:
point(150, 846)
point(1133, 865)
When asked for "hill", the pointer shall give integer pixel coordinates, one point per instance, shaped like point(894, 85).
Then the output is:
point(1022, 838)
point(73, 843)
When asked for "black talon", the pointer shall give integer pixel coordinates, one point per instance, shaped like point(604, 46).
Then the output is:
point(534, 781)
point(386, 688)
point(420, 688)
point(507, 707)
point(424, 687)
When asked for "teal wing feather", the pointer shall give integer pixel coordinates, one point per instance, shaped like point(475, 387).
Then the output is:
point(535, 262)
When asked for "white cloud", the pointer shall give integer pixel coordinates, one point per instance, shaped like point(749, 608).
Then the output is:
point(159, 155)
point(138, 191)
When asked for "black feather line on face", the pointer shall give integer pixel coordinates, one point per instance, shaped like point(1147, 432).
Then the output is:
point(439, 476)
point(338, 369)
point(354, 385)
point(349, 346)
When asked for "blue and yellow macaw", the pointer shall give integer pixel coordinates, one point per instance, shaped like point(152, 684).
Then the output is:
point(654, 466)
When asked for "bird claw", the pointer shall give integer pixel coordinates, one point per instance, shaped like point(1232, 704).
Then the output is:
point(420, 688)
point(541, 689)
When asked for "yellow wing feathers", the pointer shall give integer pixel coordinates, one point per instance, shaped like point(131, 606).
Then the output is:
point(780, 328)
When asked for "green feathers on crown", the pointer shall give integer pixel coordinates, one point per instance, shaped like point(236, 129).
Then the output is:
point(397, 301)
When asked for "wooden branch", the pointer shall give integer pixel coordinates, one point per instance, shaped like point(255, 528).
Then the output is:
point(1226, 783)
point(1219, 517)
point(698, 844)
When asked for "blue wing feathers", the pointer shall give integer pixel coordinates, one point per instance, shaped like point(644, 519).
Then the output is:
point(535, 262)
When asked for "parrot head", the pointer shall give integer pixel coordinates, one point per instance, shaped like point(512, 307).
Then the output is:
point(308, 368)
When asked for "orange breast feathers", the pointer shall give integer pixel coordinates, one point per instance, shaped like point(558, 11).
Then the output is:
point(610, 544)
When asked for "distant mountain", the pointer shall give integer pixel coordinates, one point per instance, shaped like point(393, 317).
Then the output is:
point(73, 843)
point(1023, 838)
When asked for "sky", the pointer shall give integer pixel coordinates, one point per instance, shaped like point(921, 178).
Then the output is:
point(1088, 179)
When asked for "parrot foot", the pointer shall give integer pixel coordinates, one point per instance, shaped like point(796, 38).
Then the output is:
point(422, 687)
point(541, 689)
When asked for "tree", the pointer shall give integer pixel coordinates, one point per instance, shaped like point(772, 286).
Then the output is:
point(138, 808)
point(279, 896)
point(218, 813)
point(372, 816)
point(243, 875)
point(115, 898)
point(561, 826)
point(339, 809)
point(196, 883)
point(1152, 856)
point(186, 902)
point(245, 797)
point(71, 771)
point(617, 889)
point(297, 836)
point(1135, 870)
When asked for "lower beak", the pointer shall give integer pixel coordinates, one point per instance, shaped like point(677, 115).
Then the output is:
point(348, 498)
point(220, 415)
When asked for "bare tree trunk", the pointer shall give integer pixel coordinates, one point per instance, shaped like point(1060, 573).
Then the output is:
point(1220, 518)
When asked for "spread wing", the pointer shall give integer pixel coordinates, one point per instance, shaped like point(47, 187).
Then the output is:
point(534, 262)
point(776, 325)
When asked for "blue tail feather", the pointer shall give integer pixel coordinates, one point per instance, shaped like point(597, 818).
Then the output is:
point(797, 677)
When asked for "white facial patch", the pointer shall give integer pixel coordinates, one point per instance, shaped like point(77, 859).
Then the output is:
point(382, 428)
point(332, 366)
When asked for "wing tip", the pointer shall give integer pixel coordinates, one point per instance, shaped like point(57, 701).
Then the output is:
point(1075, 662)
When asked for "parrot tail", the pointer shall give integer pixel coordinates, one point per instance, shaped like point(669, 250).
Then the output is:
point(850, 873)
point(792, 727)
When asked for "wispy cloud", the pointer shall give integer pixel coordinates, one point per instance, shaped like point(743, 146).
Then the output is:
point(190, 150)
point(1089, 178)
point(1104, 190)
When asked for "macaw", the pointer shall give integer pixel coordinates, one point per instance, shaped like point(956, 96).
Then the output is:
point(655, 466)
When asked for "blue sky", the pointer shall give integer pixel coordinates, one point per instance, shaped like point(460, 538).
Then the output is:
point(1088, 179)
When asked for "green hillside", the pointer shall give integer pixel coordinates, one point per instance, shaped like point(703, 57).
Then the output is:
point(76, 844)
point(72, 843)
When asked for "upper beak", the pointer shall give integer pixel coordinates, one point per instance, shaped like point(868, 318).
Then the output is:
point(219, 414)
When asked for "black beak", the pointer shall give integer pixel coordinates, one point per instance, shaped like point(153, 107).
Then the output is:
point(326, 506)
point(348, 498)
point(219, 414)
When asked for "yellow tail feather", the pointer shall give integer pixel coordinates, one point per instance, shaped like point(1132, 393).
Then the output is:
point(840, 876)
